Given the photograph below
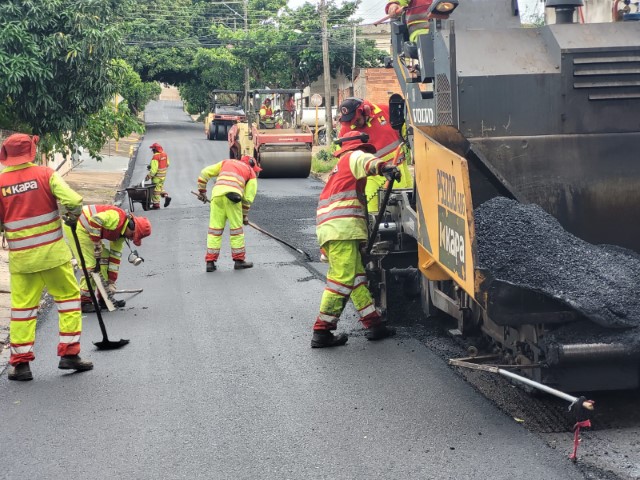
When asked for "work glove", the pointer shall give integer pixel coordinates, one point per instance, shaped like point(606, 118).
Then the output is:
point(395, 10)
point(111, 288)
point(245, 220)
point(202, 196)
point(70, 219)
point(148, 167)
point(390, 172)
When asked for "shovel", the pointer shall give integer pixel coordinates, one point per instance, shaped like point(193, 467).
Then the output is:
point(105, 344)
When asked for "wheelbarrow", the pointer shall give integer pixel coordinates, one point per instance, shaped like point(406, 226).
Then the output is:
point(140, 193)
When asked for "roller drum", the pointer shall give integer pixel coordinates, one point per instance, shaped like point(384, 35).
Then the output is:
point(294, 163)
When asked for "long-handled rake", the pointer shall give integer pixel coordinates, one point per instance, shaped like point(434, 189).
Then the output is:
point(105, 344)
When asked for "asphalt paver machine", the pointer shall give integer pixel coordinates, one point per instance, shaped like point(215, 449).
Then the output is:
point(523, 223)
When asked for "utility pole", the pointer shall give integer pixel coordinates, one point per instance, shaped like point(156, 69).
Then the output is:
point(353, 66)
point(246, 68)
point(327, 72)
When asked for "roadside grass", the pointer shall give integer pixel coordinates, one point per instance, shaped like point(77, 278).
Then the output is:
point(323, 161)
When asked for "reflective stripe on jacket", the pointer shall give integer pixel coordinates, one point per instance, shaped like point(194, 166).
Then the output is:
point(233, 176)
point(159, 166)
point(341, 213)
point(416, 15)
point(30, 217)
point(381, 135)
point(106, 222)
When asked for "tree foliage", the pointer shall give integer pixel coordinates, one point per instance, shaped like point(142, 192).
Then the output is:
point(57, 74)
point(201, 45)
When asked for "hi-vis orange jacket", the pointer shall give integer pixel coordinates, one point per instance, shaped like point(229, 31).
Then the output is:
point(106, 222)
point(158, 167)
point(341, 212)
point(381, 135)
point(30, 217)
point(233, 176)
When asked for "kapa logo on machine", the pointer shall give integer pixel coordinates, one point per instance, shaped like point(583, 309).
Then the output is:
point(423, 115)
point(451, 241)
point(19, 188)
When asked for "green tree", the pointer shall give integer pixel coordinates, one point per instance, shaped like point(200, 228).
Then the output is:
point(55, 64)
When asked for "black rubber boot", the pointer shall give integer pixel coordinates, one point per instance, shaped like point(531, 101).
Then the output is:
point(379, 332)
point(324, 339)
point(20, 372)
point(211, 266)
point(74, 362)
point(88, 307)
point(241, 264)
point(167, 201)
point(116, 303)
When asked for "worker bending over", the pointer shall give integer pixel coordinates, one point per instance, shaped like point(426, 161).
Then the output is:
point(38, 256)
point(341, 228)
point(232, 195)
point(158, 174)
point(363, 116)
point(111, 224)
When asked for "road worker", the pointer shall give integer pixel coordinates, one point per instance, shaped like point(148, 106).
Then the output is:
point(341, 228)
point(102, 231)
point(158, 174)
point(232, 195)
point(38, 255)
point(266, 112)
point(363, 116)
point(416, 15)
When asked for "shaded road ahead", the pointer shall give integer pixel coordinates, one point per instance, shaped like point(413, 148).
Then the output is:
point(219, 381)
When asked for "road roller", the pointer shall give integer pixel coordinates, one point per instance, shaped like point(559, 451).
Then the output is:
point(522, 228)
point(279, 142)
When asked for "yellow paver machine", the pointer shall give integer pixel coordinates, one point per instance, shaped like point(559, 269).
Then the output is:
point(524, 223)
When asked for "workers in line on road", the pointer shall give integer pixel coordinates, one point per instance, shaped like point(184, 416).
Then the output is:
point(38, 255)
point(417, 16)
point(363, 116)
point(158, 174)
point(102, 231)
point(232, 195)
point(341, 228)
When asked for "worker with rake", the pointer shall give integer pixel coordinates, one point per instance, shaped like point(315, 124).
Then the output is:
point(232, 195)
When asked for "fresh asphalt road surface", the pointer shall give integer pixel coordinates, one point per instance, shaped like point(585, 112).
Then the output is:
point(219, 381)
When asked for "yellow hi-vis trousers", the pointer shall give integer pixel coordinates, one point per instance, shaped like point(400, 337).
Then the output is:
point(87, 246)
point(26, 291)
point(158, 191)
point(346, 279)
point(222, 209)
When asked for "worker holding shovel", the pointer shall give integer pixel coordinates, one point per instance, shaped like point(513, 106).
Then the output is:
point(105, 222)
point(38, 256)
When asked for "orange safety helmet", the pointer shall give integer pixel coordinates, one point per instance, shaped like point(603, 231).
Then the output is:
point(267, 100)
point(142, 229)
point(251, 162)
point(355, 144)
point(156, 146)
point(18, 148)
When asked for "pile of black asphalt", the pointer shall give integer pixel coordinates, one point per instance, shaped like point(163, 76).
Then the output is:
point(524, 245)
